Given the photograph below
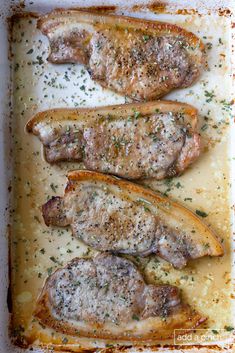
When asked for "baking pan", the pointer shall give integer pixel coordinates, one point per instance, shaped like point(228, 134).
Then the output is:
point(30, 84)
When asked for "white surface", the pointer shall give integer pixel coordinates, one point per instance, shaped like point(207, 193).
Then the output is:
point(39, 5)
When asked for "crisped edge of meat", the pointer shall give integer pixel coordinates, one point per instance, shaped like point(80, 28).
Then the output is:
point(191, 319)
point(123, 110)
point(159, 27)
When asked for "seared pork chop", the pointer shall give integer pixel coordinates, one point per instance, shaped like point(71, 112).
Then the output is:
point(141, 59)
point(134, 141)
point(114, 215)
point(106, 297)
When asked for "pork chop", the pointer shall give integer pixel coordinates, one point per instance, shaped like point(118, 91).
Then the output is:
point(136, 141)
point(120, 217)
point(138, 58)
point(106, 297)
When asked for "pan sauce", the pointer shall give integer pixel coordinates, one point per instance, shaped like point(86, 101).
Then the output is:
point(38, 250)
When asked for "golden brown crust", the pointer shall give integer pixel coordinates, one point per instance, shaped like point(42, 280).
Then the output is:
point(156, 27)
point(206, 234)
point(123, 110)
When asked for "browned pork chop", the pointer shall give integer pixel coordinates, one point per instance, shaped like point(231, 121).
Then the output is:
point(106, 297)
point(157, 139)
point(115, 215)
point(141, 59)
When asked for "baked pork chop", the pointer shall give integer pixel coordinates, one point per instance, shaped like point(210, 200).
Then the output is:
point(138, 58)
point(114, 215)
point(106, 297)
point(134, 141)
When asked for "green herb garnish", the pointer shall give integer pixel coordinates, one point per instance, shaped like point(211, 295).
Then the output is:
point(201, 213)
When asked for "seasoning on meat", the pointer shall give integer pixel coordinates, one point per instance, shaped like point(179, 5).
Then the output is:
point(151, 140)
point(106, 297)
point(114, 215)
point(141, 59)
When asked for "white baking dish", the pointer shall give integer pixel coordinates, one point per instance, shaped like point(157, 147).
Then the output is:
point(102, 98)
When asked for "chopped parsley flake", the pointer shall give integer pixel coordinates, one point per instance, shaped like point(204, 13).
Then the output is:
point(49, 271)
point(145, 38)
point(204, 127)
point(137, 115)
point(30, 51)
point(229, 328)
point(209, 46)
point(135, 317)
point(53, 187)
point(201, 213)
point(209, 96)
